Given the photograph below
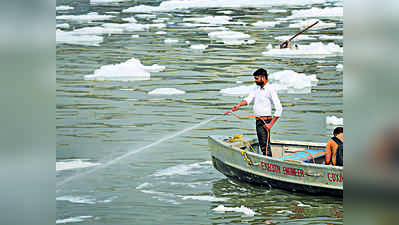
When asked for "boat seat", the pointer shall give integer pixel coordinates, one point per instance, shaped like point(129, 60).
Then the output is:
point(304, 156)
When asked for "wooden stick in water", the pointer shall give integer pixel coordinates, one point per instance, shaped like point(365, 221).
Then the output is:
point(285, 43)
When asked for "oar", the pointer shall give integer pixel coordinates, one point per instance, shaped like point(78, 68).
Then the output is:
point(285, 43)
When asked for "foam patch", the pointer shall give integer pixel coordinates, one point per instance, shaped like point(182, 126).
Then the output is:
point(126, 71)
point(166, 91)
point(242, 209)
point(333, 120)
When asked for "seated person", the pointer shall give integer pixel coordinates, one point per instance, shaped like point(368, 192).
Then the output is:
point(334, 149)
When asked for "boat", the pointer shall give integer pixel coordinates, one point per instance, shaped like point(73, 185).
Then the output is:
point(295, 166)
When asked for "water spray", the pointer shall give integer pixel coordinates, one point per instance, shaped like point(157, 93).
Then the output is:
point(113, 161)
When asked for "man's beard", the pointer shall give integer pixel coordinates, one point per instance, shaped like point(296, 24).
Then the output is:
point(259, 83)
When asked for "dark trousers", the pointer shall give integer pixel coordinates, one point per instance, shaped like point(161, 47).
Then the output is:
point(263, 136)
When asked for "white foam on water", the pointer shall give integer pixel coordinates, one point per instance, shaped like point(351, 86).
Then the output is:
point(181, 169)
point(160, 196)
point(96, 31)
point(205, 198)
point(132, 152)
point(62, 25)
point(160, 32)
point(154, 68)
point(340, 67)
point(160, 20)
point(300, 204)
point(109, 199)
point(207, 28)
point(126, 26)
point(278, 10)
point(70, 38)
point(239, 42)
point(73, 219)
point(135, 36)
point(71, 164)
point(285, 211)
point(112, 12)
point(63, 7)
point(227, 12)
point(143, 185)
point(77, 199)
point(335, 13)
point(201, 26)
point(184, 4)
point(305, 23)
point(265, 24)
point(231, 37)
point(166, 91)
point(106, 1)
point(333, 120)
point(156, 25)
point(132, 26)
point(237, 91)
point(217, 20)
point(286, 81)
point(158, 193)
point(170, 41)
point(242, 209)
point(141, 8)
point(93, 16)
point(206, 163)
point(331, 37)
point(278, 207)
point(130, 20)
point(300, 37)
point(194, 24)
point(228, 35)
point(145, 16)
point(199, 47)
point(126, 71)
point(191, 185)
point(311, 50)
point(172, 201)
point(289, 81)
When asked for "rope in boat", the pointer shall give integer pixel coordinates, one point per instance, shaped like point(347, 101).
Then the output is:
point(245, 157)
point(238, 137)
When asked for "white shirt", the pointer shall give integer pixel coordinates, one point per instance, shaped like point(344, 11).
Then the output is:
point(264, 97)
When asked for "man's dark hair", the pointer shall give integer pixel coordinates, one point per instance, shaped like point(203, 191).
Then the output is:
point(338, 130)
point(261, 72)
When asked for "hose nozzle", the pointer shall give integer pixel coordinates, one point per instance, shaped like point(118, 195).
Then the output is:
point(227, 113)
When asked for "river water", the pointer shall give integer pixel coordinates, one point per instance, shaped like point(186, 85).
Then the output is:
point(132, 140)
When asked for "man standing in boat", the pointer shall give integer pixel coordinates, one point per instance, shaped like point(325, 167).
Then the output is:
point(263, 95)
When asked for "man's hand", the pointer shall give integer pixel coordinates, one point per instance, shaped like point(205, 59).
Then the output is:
point(268, 126)
point(235, 108)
